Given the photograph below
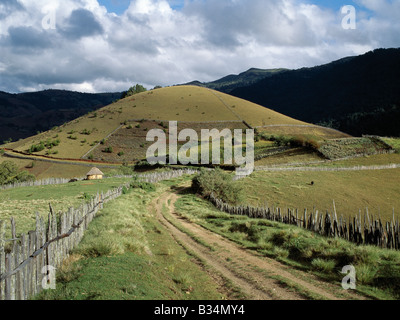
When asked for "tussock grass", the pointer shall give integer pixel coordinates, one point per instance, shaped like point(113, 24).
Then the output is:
point(323, 265)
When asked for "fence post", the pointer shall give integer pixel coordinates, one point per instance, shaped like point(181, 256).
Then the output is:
point(2, 258)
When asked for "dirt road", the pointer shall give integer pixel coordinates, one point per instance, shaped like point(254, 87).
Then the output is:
point(257, 277)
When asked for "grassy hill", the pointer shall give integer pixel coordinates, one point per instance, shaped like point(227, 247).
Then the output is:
point(231, 82)
point(122, 126)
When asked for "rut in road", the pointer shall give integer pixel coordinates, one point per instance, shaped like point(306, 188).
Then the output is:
point(256, 276)
point(205, 255)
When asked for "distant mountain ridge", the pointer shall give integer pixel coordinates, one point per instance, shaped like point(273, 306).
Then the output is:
point(358, 95)
point(24, 114)
point(231, 82)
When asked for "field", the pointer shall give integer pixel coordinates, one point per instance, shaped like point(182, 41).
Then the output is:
point(23, 203)
point(377, 269)
point(61, 169)
point(315, 132)
point(128, 253)
point(129, 144)
point(291, 156)
point(352, 191)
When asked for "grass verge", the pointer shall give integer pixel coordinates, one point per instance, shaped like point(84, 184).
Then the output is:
point(127, 255)
point(378, 271)
point(23, 203)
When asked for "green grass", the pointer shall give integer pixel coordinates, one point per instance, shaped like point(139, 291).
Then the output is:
point(393, 142)
point(127, 255)
point(378, 270)
point(342, 148)
point(23, 203)
point(351, 190)
point(373, 160)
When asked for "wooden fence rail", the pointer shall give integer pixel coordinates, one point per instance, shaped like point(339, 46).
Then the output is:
point(23, 265)
point(369, 231)
point(25, 260)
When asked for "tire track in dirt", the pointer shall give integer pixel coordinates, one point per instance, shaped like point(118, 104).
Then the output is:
point(232, 265)
point(205, 255)
point(258, 277)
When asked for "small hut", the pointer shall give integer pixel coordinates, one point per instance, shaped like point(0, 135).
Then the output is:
point(94, 174)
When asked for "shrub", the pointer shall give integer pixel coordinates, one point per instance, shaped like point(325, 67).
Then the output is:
point(125, 190)
point(86, 196)
point(37, 147)
point(108, 150)
point(86, 132)
point(120, 154)
point(149, 187)
point(217, 183)
point(9, 173)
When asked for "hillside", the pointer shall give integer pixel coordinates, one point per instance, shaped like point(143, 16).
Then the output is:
point(121, 127)
point(231, 82)
point(358, 95)
point(23, 115)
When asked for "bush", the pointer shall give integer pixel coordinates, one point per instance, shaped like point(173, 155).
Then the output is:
point(217, 183)
point(86, 132)
point(125, 190)
point(108, 150)
point(149, 187)
point(9, 173)
point(37, 147)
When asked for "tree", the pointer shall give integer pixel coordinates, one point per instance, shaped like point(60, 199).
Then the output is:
point(138, 88)
point(9, 173)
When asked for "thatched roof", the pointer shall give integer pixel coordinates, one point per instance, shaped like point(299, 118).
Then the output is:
point(95, 172)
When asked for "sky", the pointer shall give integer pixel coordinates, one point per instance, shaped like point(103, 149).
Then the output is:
point(110, 45)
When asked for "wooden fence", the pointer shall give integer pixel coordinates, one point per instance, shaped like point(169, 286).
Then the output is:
point(43, 182)
point(156, 177)
point(368, 230)
point(23, 259)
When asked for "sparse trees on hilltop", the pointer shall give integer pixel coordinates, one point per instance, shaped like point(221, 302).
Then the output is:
point(138, 88)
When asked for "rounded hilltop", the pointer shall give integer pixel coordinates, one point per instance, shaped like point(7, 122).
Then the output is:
point(117, 132)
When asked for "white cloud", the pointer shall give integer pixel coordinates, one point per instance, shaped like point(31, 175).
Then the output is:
point(151, 43)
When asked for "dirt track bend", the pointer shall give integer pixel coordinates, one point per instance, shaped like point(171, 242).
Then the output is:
point(254, 275)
